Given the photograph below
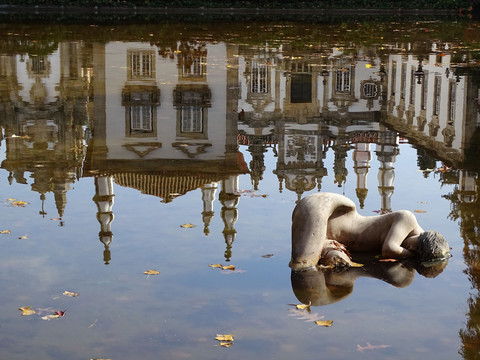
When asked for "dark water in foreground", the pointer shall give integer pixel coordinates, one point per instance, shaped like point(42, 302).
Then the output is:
point(114, 135)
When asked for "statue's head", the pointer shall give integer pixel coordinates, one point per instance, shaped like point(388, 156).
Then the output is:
point(432, 246)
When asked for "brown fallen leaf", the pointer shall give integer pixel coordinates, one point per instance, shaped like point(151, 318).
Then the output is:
point(70, 293)
point(4, 231)
point(326, 323)
point(26, 311)
point(266, 256)
point(151, 272)
point(419, 211)
point(187, 226)
point(60, 313)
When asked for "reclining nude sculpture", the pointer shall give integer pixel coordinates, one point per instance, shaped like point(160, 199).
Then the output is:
point(325, 226)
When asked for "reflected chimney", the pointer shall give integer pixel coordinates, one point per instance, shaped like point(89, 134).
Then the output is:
point(229, 196)
point(208, 197)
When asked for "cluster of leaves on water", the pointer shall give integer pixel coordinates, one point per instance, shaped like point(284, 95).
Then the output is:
point(283, 4)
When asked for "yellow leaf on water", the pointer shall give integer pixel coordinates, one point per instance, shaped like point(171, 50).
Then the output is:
point(50, 317)
point(4, 231)
point(188, 226)
point(326, 323)
point(26, 311)
point(419, 211)
point(228, 267)
point(222, 337)
point(70, 293)
point(22, 237)
point(226, 344)
point(19, 203)
point(304, 307)
point(215, 265)
point(11, 199)
point(151, 272)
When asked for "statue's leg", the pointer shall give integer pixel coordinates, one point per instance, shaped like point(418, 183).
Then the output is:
point(309, 231)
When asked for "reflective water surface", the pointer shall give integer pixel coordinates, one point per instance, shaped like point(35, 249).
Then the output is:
point(168, 145)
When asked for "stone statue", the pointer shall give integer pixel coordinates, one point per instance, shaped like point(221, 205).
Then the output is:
point(325, 226)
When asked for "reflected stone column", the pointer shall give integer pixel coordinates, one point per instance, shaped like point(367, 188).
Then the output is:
point(104, 200)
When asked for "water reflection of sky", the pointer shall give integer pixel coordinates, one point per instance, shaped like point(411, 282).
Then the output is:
point(122, 313)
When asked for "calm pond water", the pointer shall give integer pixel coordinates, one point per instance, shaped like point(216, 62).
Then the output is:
point(132, 144)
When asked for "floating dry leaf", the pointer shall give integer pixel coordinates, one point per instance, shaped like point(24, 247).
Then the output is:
point(56, 219)
point(228, 267)
point(304, 306)
point(188, 226)
point(60, 313)
point(26, 311)
point(151, 272)
point(50, 317)
point(4, 231)
point(226, 344)
point(266, 256)
point(19, 203)
point(224, 337)
point(215, 265)
point(326, 323)
point(22, 237)
point(420, 211)
point(70, 293)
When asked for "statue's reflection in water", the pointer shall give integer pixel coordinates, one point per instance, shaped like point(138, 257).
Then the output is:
point(322, 286)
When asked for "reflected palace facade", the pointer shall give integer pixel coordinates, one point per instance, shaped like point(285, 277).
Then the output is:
point(169, 120)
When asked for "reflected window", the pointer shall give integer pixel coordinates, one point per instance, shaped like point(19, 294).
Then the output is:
point(192, 103)
point(141, 119)
point(394, 77)
point(38, 65)
point(370, 90)
point(259, 78)
point(436, 95)
point(424, 90)
point(73, 61)
point(301, 88)
point(191, 119)
point(140, 103)
point(451, 102)
point(342, 80)
point(412, 86)
point(404, 81)
point(141, 64)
